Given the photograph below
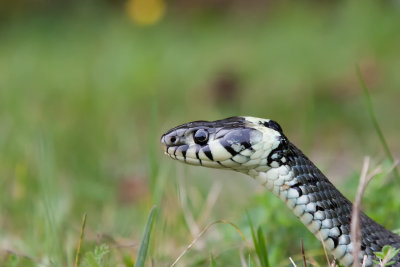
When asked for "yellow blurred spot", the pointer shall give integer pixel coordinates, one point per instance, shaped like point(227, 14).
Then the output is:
point(146, 12)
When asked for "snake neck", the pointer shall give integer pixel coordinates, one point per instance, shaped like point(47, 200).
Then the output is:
point(292, 177)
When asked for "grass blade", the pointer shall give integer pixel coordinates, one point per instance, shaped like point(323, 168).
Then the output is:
point(375, 121)
point(144, 245)
point(263, 250)
point(212, 261)
point(253, 235)
point(259, 244)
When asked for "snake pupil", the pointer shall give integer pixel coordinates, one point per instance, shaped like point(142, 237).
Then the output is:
point(200, 137)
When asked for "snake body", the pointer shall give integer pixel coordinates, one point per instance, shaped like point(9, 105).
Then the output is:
point(259, 148)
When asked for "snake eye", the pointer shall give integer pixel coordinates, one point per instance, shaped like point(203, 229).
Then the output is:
point(200, 137)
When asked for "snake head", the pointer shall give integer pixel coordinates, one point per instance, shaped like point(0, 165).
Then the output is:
point(239, 143)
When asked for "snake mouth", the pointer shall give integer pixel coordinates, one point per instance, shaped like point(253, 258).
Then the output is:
point(194, 154)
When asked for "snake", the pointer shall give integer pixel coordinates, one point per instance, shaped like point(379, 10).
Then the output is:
point(259, 148)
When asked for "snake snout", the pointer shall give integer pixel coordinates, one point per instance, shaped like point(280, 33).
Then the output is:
point(175, 144)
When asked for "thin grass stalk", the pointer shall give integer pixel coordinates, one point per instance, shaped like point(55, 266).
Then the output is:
point(325, 252)
point(355, 228)
point(375, 121)
point(303, 252)
point(202, 233)
point(293, 263)
point(78, 251)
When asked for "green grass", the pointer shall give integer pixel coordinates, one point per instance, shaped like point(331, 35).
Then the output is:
point(259, 244)
point(144, 245)
point(84, 99)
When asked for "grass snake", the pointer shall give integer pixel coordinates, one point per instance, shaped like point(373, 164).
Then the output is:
point(259, 148)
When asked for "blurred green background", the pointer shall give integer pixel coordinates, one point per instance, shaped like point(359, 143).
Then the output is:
point(87, 89)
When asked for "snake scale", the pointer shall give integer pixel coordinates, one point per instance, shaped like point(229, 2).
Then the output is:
point(259, 148)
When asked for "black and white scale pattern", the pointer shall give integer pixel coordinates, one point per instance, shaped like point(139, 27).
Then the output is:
point(333, 211)
point(259, 148)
